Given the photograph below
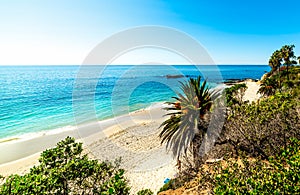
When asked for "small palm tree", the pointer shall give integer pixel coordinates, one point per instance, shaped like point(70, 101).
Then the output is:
point(188, 120)
point(268, 86)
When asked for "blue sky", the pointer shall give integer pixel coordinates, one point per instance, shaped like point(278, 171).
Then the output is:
point(65, 31)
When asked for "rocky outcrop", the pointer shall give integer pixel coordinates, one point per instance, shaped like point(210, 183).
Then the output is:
point(174, 76)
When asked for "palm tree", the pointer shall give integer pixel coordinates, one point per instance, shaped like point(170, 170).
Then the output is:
point(275, 60)
point(288, 56)
point(188, 120)
point(275, 63)
point(298, 59)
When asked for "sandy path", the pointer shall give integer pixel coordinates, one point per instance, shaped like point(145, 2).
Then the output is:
point(251, 92)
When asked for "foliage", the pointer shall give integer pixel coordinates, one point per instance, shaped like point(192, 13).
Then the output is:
point(278, 81)
point(245, 175)
point(145, 192)
point(235, 94)
point(288, 57)
point(269, 86)
point(188, 122)
point(285, 56)
point(261, 129)
point(275, 61)
point(281, 175)
point(65, 170)
point(294, 78)
point(254, 133)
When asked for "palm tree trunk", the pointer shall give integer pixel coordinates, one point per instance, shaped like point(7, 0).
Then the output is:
point(196, 150)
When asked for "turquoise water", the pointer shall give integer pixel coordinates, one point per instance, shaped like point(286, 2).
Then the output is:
point(41, 98)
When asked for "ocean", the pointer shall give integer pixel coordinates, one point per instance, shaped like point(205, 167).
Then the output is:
point(34, 99)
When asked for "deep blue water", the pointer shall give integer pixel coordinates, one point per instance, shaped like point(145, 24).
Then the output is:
point(40, 98)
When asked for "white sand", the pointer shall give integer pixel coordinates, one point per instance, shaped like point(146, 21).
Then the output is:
point(251, 92)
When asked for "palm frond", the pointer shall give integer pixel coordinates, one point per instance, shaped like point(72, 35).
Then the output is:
point(185, 115)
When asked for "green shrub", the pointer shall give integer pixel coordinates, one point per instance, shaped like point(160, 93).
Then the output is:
point(281, 175)
point(145, 192)
point(235, 94)
point(261, 129)
point(278, 175)
point(64, 170)
point(269, 86)
point(278, 81)
point(268, 130)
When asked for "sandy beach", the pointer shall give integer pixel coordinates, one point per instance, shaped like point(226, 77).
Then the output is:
point(133, 137)
point(251, 92)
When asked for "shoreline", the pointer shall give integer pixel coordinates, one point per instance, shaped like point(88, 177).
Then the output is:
point(133, 137)
point(70, 128)
point(66, 128)
point(230, 82)
point(80, 131)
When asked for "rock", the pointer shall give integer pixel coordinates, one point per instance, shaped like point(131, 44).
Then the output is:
point(174, 76)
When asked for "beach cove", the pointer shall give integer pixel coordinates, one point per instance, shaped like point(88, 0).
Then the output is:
point(133, 137)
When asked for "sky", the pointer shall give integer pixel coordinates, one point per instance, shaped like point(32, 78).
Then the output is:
point(63, 32)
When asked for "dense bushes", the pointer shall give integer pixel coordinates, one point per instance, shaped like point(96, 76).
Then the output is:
point(262, 128)
point(281, 175)
point(235, 94)
point(246, 175)
point(269, 86)
point(267, 128)
point(64, 170)
point(259, 143)
point(277, 81)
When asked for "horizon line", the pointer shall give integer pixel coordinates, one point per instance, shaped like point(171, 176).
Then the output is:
point(134, 65)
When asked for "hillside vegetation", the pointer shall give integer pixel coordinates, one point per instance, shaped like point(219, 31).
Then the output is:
point(257, 151)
